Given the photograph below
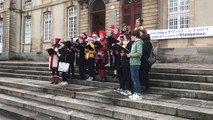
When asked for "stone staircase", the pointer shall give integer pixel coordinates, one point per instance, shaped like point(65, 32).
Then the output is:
point(176, 93)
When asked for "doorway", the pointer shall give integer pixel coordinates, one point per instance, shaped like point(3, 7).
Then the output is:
point(98, 16)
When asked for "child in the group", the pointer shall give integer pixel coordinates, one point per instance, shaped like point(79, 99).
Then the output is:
point(63, 57)
point(135, 62)
point(53, 61)
point(90, 58)
point(102, 55)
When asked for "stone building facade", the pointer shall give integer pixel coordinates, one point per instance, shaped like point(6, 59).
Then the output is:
point(28, 25)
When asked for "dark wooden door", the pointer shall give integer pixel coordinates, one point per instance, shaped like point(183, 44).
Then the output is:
point(98, 16)
point(131, 12)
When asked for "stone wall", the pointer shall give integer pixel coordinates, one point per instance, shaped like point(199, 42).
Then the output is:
point(150, 14)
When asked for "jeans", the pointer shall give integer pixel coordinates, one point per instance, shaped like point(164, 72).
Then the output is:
point(134, 69)
point(90, 63)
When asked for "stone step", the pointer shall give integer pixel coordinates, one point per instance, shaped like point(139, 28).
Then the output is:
point(193, 71)
point(48, 109)
point(164, 76)
point(153, 75)
point(18, 113)
point(24, 68)
point(195, 94)
point(154, 103)
point(24, 63)
point(43, 75)
point(87, 106)
point(183, 92)
point(182, 77)
point(26, 76)
point(158, 69)
point(182, 84)
point(29, 72)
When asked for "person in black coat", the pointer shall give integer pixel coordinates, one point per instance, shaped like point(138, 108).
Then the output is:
point(63, 57)
point(126, 84)
point(71, 57)
point(81, 57)
point(145, 66)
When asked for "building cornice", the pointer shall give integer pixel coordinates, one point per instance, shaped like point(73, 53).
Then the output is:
point(46, 5)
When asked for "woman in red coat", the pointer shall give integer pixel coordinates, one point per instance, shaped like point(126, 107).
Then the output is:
point(102, 55)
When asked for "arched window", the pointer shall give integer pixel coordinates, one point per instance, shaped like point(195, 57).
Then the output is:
point(131, 11)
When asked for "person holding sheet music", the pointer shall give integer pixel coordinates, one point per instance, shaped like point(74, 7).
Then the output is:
point(63, 54)
point(53, 60)
point(81, 57)
point(90, 58)
point(135, 62)
point(102, 55)
point(115, 56)
point(126, 87)
point(71, 57)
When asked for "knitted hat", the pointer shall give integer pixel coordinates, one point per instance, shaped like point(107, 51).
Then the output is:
point(102, 32)
point(112, 26)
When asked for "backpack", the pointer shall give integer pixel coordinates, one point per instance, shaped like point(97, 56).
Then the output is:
point(152, 57)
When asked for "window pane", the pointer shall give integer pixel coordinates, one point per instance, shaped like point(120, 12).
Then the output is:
point(1, 31)
point(72, 22)
point(178, 14)
point(47, 26)
point(127, 10)
point(138, 9)
point(127, 20)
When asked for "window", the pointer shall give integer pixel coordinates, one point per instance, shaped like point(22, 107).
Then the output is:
point(72, 22)
point(1, 35)
point(47, 26)
point(131, 12)
point(178, 14)
point(1, 3)
point(28, 1)
point(1, 31)
point(27, 30)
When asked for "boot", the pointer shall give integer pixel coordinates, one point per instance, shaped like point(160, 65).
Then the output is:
point(104, 79)
point(56, 79)
point(53, 80)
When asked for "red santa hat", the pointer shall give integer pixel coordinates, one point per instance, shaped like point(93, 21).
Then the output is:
point(112, 26)
point(94, 34)
point(102, 32)
point(90, 38)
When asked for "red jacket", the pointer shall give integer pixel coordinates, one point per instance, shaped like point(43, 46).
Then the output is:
point(103, 52)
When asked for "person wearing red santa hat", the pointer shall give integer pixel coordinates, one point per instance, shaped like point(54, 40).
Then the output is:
point(111, 29)
point(95, 36)
point(102, 55)
point(53, 61)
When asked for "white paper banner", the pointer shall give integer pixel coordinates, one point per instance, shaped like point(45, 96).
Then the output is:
point(181, 33)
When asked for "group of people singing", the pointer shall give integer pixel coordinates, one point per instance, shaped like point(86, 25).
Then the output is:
point(126, 51)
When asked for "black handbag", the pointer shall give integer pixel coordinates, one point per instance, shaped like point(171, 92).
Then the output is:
point(152, 58)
